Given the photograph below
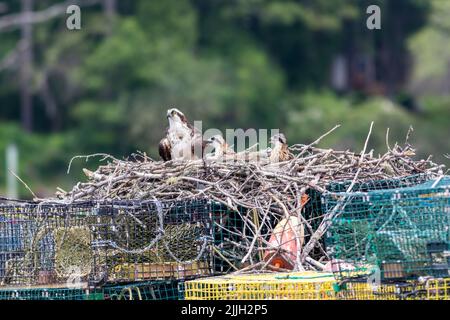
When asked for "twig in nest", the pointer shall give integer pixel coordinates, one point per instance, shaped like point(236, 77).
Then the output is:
point(26, 186)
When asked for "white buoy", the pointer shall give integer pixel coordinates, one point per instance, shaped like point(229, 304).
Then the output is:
point(12, 165)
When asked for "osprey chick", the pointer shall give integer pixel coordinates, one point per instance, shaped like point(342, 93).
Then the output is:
point(280, 151)
point(221, 148)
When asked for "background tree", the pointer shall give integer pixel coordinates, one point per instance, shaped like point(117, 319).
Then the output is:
point(232, 64)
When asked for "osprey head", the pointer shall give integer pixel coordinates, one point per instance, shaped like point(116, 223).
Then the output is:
point(176, 115)
point(216, 141)
point(278, 138)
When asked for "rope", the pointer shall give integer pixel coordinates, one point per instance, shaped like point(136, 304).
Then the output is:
point(288, 277)
point(157, 238)
point(154, 240)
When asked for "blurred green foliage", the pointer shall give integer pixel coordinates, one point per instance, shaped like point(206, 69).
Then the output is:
point(232, 64)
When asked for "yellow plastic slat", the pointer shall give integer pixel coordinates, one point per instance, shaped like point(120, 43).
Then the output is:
point(308, 286)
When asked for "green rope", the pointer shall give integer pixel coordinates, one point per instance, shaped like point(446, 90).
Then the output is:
point(304, 277)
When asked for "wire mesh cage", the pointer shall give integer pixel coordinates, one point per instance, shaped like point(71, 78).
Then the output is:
point(397, 233)
point(273, 286)
point(123, 241)
point(381, 184)
point(304, 286)
point(438, 289)
point(404, 290)
point(46, 294)
point(153, 240)
point(314, 208)
point(44, 244)
point(79, 292)
point(145, 290)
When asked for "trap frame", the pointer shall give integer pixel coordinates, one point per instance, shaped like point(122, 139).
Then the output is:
point(399, 233)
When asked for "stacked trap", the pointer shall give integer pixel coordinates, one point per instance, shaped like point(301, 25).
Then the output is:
point(391, 234)
point(144, 290)
point(143, 229)
point(388, 240)
point(298, 286)
point(89, 250)
point(277, 286)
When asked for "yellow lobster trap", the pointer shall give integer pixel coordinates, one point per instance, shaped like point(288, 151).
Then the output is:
point(389, 291)
point(438, 289)
point(273, 286)
point(309, 286)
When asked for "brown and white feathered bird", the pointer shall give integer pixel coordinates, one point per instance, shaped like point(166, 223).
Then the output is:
point(280, 151)
point(182, 140)
point(221, 149)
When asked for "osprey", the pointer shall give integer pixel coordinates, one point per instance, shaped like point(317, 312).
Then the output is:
point(221, 148)
point(182, 140)
point(280, 151)
point(223, 151)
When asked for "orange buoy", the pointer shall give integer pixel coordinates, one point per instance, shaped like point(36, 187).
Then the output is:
point(288, 235)
point(284, 236)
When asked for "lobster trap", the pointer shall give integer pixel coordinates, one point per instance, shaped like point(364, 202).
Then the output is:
point(44, 244)
point(380, 184)
point(37, 293)
point(112, 242)
point(314, 208)
point(145, 290)
point(393, 234)
point(306, 286)
point(438, 289)
point(139, 241)
point(275, 286)
point(404, 290)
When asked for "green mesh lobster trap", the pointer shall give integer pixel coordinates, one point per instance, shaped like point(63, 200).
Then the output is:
point(146, 290)
point(381, 184)
point(47, 294)
point(316, 207)
point(395, 234)
point(37, 293)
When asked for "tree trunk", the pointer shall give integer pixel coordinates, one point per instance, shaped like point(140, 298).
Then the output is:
point(26, 58)
point(109, 7)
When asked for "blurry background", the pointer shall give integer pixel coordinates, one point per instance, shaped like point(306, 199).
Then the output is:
point(298, 65)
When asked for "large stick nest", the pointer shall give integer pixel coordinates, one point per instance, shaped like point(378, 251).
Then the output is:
point(274, 190)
